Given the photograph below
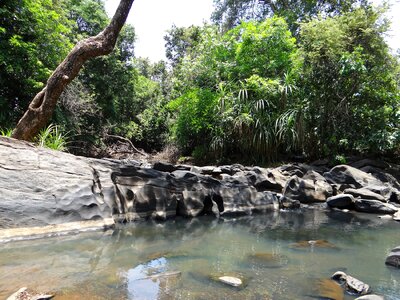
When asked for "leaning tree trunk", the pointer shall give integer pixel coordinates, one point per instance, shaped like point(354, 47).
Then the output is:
point(42, 106)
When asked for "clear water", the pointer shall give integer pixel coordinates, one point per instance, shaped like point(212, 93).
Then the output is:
point(126, 263)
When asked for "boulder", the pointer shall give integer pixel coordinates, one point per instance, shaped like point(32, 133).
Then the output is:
point(364, 193)
point(351, 284)
point(267, 179)
point(307, 190)
point(350, 177)
point(374, 206)
point(341, 201)
point(393, 259)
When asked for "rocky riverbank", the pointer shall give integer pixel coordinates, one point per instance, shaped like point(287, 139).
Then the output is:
point(40, 188)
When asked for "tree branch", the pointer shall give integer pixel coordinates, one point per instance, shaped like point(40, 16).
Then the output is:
point(42, 106)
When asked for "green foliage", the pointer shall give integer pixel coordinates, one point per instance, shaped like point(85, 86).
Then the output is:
point(33, 40)
point(239, 91)
point(6, 132)
point(52, 138)
point(350, 84)
point(230, 13)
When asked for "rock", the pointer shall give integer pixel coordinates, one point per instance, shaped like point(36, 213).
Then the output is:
point(164, 167)
point(349, 176)
point(386, 217)
point(306, 190)
point(351, 284)
point(267, 179)
point(313, 244)
point(268, 260)
point(164, 275)
point(286, 203)
point(230, 280)
point(341, 201)
point(370, 162)
point(393, 259)
point(374, 206)
point(25, 294)
point(364, 193)
point(371, 297)
point(327, 289)
point(396, 216)
point(293, 170)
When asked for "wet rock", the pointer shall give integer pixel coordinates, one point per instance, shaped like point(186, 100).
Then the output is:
point(313, 244)
point(286, 203)
point(341, 201)
point(364, 193)
point(393, 259)
point(374, 206)
point(396, 216)
point(268, 260)
point(371, 297)
point(233, 279)
point(386, 217)
point(307, 191)
point(352, 285)
point(230, 280)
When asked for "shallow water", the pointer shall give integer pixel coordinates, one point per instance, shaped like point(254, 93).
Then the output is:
point(126, 263)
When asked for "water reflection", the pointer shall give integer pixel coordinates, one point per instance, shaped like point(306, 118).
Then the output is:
point(178, 259)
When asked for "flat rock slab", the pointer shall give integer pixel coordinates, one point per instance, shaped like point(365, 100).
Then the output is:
point(374, 206)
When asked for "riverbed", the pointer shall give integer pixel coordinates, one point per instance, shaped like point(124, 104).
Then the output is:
point(279, 255)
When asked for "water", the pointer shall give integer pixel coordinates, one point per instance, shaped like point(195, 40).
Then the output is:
point(261, 250)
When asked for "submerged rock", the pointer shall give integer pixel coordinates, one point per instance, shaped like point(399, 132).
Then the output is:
point(313, 244)
point(230, 280)
point(352, 285)
point(269, 260)
point(393, 259)
point(327, 289)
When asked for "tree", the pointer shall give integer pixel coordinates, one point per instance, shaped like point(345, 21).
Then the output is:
point(42, 106)
point(350, 84)
point(29, 50)
point(179, 41)
point(229, 13)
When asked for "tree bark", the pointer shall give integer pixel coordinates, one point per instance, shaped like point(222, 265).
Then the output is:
point(41, 108)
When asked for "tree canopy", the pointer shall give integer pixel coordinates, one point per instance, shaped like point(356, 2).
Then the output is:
point(266, 81)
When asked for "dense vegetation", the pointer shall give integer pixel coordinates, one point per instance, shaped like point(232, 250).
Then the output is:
point(264, 82)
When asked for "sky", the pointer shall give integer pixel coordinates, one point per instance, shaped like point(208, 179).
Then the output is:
point(151, 19)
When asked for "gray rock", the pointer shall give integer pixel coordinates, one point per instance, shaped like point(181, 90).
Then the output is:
point(365, 193)
point(374, 206)
point(267, 179)
point(349, 176)
point(307, 191)
point(230, 280)
point(352, 285)
point(341, 201)
point(396, 216)
point(370, 162)
point(393, 259)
